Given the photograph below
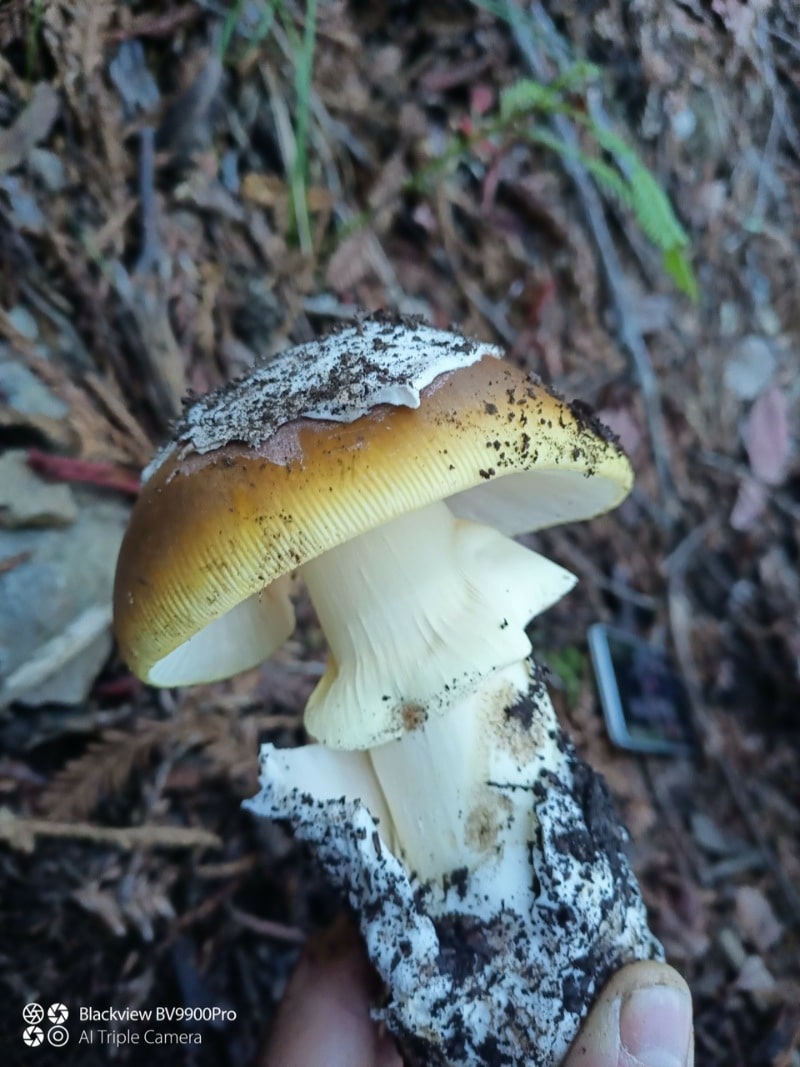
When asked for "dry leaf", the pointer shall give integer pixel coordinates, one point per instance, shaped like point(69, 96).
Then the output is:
point(146, 901)
point(270, 190)
point(624, 425)
point(266, 190)
point(186, 124)
point(103, 904)
point(766, 436)
point(749, 507)
point(481, 98)
point(351, 262)
point(31, 127)
point(740, 18)
point(756, 919)
point(754, 976)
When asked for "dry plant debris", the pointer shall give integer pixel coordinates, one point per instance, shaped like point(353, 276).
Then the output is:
point(149, 246)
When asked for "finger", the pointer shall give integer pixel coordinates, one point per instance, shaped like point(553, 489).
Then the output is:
point(642, 1018)
point(324, 1018)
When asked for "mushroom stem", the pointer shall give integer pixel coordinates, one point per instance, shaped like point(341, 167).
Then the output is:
point(425, 620)
point(461, 788)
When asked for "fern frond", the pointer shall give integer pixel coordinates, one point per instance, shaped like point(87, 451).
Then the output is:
point(609, 180)
point(649, 201)
point(525, 96)
point(576, 76)
point(678, 267)
point(103, 769)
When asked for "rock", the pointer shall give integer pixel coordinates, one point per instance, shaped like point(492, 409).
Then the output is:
point(130, 74)
point(750, 367)
point(21, 389)
point(48, 168)
point(28, 500)
point(55, 622)
point(63, 669)
point(23, 322)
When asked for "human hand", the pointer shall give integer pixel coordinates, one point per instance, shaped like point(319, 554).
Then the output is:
point(642, 1018)
point(324, 1017)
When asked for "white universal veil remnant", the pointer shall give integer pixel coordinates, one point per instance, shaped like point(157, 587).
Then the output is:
point(389, 465)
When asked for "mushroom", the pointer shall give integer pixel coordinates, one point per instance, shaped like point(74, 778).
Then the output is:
point(389, 466)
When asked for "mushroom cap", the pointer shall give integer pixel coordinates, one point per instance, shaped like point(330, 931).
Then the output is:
point(320, 444)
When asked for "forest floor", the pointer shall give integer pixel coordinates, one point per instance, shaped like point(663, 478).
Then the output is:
point(185, 188)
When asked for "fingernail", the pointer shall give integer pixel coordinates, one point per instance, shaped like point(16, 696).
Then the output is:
point(655, 1027)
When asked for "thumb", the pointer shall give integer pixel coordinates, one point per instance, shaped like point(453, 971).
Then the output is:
point(324, 1018)
point(642, 1018)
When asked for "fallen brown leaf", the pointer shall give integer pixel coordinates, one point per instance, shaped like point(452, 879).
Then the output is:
point(766, 436)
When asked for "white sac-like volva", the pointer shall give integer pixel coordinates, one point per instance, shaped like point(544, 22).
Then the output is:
point(495, 963)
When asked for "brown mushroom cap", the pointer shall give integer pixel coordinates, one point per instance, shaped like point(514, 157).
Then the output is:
point(210, 532)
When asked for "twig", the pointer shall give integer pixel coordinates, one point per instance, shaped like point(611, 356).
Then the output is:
point(123, 688)
point(59, 316)
point(629, 335)
point(293, 935)
point(767, 70)
point(201, 912)
point(150, 255)
point(326, 305)
point(21, 833)
point(765, 168)
point(687, 859)
point(790, 41)
point(164, 25)
point(582, 563)
point(141, 447)
point(727, 466)
point(491, 311)
point(298, 176)
point(217, 872)
point(90, 472)
point(8, 563)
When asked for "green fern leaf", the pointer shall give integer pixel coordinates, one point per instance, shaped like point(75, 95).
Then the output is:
point(577, 76)
point(678, 267)
point(654, 211)
point(649, 202)
point(525, 96)
point(609, 180)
